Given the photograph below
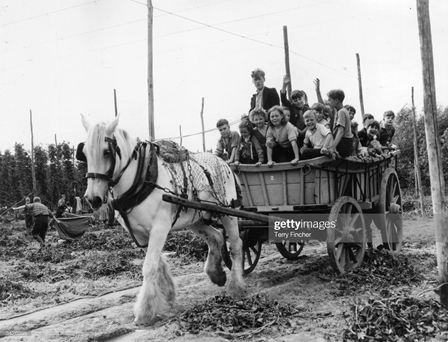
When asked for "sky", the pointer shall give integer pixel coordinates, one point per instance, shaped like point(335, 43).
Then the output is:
point(60, 58)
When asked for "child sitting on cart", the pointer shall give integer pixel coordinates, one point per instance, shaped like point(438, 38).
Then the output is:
point(249, 150)
point(317, 137)
point(281, 139)
point(226, 147)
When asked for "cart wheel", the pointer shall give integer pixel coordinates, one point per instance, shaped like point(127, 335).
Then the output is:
point(390, 209)
point(251, 252)
point(346, 244)
point(290, 250)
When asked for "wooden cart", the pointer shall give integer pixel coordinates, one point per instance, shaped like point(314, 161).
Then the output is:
point(344, 189)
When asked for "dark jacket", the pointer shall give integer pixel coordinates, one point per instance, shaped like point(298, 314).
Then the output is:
point(296, 113)
point(270, 99)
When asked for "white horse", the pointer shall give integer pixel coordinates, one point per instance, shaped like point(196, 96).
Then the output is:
point(126, 170)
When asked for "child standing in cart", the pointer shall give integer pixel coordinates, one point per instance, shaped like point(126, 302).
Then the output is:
point(342, 132)
point(281, 138)
point(387, 129)
point(249, 150)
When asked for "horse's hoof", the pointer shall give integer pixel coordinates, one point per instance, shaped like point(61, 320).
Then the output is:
point(222, 279)
point(139, 321)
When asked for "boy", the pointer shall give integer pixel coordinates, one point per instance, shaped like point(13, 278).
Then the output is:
point(258, 118)
point(342, 132)
point(41, 213)
point(362, 134)
point(297, 106)
point(319, 108)
point(387, 129)
point(227, 145)
point(265, 97)
point(317, 137)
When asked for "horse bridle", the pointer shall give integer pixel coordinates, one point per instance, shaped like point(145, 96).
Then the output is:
point(114, 151)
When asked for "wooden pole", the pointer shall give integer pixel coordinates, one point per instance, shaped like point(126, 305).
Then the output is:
point(418, 178)
point(361, 99)
point(288, 71)
point(202, 123)
point(180, 134)
point(433, 147)
point(150, 74)
point(55, 141)
point(115, 101)
point(33, 167)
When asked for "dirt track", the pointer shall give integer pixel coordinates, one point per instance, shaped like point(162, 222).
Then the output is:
point(303, 283)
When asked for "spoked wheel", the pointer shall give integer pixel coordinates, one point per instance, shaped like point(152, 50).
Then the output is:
point(390, 212)
point(251, 252)
point(346, 243)
point(290, 250)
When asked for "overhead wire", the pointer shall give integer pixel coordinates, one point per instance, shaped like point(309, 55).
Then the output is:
point(48, 13)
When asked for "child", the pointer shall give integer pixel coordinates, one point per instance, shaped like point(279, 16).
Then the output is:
point(362, 134)
point(258, 118)
point(371, 145)
point(297, 106)
point(40, 213)
point(281, 139)
point(249, 149)
point(342, 133)
point(287, 114)
point(319, 109)
point(317, 137)
point(387, 130)
point(354, 125)
point(226, 147)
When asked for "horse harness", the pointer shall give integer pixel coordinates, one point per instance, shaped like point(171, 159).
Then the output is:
point(147, 170)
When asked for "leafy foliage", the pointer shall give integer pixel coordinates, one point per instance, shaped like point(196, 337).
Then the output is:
point(403, 138)
point(381, 269)
point(187, 246)
point(226, 315)
point(397, 317)
point(57, 173)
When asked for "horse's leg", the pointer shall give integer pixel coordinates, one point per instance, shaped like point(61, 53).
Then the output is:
point(213, 264)
point(236, 284)
point(157, 291)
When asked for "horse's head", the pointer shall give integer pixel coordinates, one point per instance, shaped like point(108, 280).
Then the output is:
point(101, 151)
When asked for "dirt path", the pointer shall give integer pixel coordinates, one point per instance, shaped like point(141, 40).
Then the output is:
point(299, 282)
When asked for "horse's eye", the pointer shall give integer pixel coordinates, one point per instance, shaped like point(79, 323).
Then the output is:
point(106, 153)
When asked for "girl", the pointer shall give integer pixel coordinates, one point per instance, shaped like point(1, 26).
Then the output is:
point(281, 138)
point(249, 149)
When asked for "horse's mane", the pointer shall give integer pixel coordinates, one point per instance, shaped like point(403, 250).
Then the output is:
point(96, 136)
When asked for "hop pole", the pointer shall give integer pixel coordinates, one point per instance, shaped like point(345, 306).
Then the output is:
point(434, 150)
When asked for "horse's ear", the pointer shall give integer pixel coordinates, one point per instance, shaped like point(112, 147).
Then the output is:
point(111, 127)
point(85, 123)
